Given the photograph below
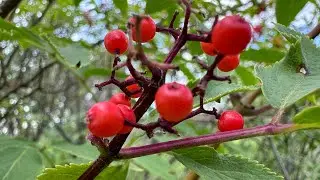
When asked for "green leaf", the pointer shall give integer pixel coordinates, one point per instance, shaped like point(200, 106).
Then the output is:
point(23, 35)
point(210, 165)
point(122, 5)
point(194, 47)
point(291, 35)
point(156, 6)
point(156, 165)
point(84, 151)
point(74, 171)
point(309, 115)
point(218, 89)
point(267, 56)
point(76, 2)
point(19, 159)
point(93, 71)
point(283, 83)
point(246, 76)
point(286, 10)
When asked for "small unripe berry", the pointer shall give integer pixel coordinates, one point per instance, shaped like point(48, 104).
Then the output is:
point(147, 29)
point(104, 119)
point(128, 115)
point(208, 48)
point(174, 101)
point(229, 63)
point(116, 42)
point(134, 88)
point(231, 35)
point(230, 120)
point(120, 98)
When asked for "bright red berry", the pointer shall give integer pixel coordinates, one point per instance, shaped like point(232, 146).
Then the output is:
point(120, 98)
point(231, 35)
point(230, 120)
point(128, 114)
point(208, 48)
point(134, 88)
point(104, 119)
point(116, 42)
point(229, 63)
point(174, 101)
point(147, 29)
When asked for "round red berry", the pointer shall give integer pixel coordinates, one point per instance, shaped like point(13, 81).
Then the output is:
point(120, 98)
point(147, 29)
point(116, 42)
point(174, 101)
point(134, 88)
point(231, 35)
point(229, 63)
point(208, 48)
point(128, 115)
point(104, 119)
point(230, 120)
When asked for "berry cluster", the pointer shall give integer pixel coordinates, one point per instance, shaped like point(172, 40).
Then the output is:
point(174, 101)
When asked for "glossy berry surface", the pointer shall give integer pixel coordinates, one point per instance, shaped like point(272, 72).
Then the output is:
point(231, 35)
point(134, 88)
point(174, 101)
point(147, 29)
point(104, 119)
point(128, 114)
point(116, 42)
point(229, 63)
point(120, 98)
point(230, 120)
point(208, 48)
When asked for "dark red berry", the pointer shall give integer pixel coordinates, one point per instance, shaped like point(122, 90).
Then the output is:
point(128, 115)
point(174, 101)
point(208, 48)
point(116, 42)
point(134, 88)
point(230, 120)
point(104, 119)
point(120, 98)
point(147, 29)
point(229, 63)
point(231, 35)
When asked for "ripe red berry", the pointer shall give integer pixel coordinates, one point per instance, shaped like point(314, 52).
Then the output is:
point(120, 98)
point(104, 119)
point(231, 35)
point(134, 88)
point(174, 101)
point(147, 29)
point(129, 115)
point(229, 63)
point(258, 29)
point(208, 48)
point(116, 42)
point(230, 120)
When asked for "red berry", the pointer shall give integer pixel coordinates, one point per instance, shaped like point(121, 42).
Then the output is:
point(134, 88)
point(104, 119)
point(116, 42)
point(229, 63)
point(208, 48)
point(120, 98)
point(129, 115)
point(231, 35)
point(258, 29)
point(230, 120)
point(174, 101)
point(147, 29)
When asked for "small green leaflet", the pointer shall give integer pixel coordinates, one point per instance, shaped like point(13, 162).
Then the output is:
point(267, 56)
point(310, 115)
point(286, 10)
point(291, 35)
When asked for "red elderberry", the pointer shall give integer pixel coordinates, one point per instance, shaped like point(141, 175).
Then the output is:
point(147, 29)
point(230, 120)
point(231, 35)
point(134, 88)
point(104, 119)
point(128, 115)
point(116, 42)
point(229, 63)
point(174, 101)
point(208, 48)
point(120, 98)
